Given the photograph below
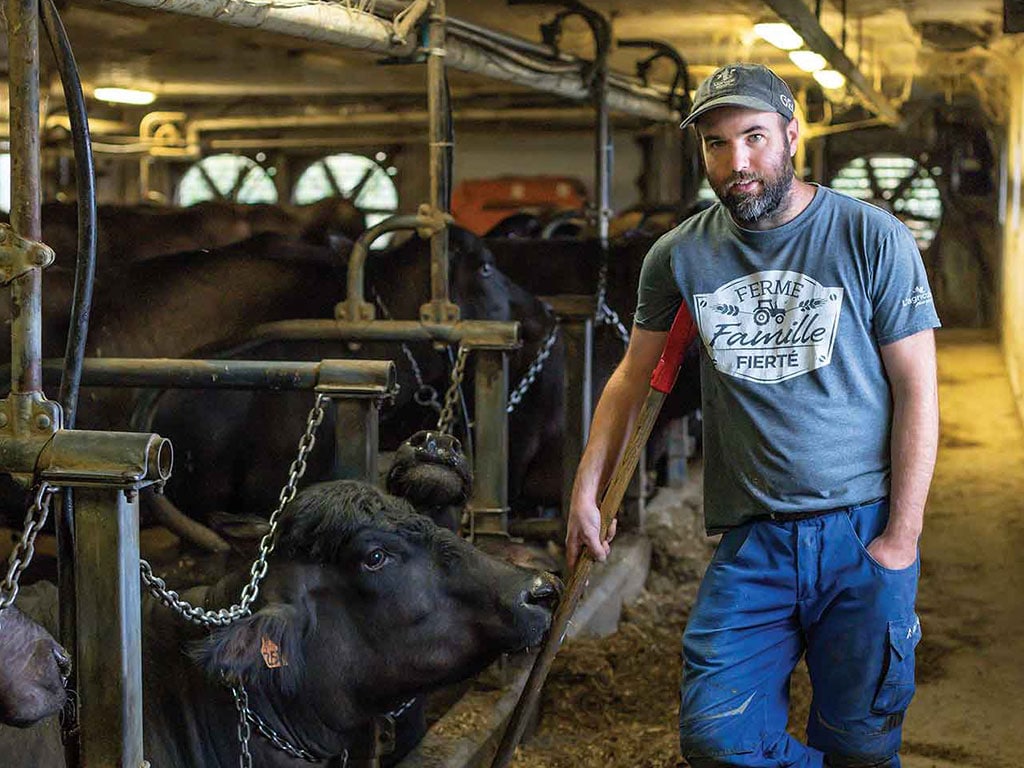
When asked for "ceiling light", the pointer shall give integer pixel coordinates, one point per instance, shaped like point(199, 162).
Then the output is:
point(124, 96)
point(808, 61)
point(780, 35)
point(829, 78)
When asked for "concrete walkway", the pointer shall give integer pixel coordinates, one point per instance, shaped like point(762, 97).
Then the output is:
point(967, 711)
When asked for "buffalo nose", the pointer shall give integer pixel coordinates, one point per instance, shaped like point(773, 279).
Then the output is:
point(63, 660)
point(545, 590)
point(435, 444)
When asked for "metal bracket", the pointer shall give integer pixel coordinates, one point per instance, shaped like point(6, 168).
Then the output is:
point(491, 522)
point(124, 460)
point(435, 220)
point(19, 255)
point(28, 422)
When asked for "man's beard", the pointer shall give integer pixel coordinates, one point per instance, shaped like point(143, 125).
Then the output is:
point(751, 207)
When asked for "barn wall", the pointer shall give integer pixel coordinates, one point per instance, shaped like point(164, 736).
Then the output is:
point(1012, 298)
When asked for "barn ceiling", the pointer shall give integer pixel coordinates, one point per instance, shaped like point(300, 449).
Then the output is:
point(953, 49)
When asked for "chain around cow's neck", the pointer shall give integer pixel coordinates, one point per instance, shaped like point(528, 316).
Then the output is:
point(248, 717)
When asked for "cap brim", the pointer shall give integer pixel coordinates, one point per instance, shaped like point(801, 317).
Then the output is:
point(728, 101)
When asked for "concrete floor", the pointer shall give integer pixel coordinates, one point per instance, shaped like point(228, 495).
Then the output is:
point(967, 710)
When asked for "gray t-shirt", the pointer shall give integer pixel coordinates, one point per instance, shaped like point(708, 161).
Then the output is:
point(797, 408)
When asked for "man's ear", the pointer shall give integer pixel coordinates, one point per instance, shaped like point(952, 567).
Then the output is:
point(263, 650)
point(793, 134)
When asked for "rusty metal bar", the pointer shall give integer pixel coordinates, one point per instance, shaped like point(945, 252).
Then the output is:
point(578, 337)
point(356, 439)
point(479, 334)
point(489, 505)
point(355, 307)
point(351, 378)
point(110, 646)
point(26, 291)
point(439, 309)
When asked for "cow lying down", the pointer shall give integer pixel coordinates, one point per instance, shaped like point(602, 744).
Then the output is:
point(365, 605)
point(33, 666)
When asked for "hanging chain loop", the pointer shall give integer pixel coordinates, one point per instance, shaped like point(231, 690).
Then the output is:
point(247, 717)
point(224, 616)
point(603, 313)
point(535, 369)
point(23, 552)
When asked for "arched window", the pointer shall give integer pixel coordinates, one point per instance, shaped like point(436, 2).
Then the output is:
point(898, 184)
point(5, 182)
point(368, 184)
point(227, 177)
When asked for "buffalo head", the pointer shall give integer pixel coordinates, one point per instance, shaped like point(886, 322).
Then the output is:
point(431, 473)
point(33, 671)
point(367, 604)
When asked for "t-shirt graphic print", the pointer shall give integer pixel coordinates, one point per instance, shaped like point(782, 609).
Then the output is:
point(769, 326)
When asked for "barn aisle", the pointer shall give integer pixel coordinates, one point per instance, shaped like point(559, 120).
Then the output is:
point(967, 709)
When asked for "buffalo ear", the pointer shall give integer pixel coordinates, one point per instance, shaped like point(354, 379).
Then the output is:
point(262, 650)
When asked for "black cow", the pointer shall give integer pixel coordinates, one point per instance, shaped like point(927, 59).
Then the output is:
point(230, 443)
point(365, 605)
point(33, 666)
point(128, 233)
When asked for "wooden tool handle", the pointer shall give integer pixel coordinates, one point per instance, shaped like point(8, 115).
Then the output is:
point(679, 338)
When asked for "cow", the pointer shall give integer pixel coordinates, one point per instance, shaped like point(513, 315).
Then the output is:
point(127, 233)
point(230, 442)
point(365, 605)
point(34, 668)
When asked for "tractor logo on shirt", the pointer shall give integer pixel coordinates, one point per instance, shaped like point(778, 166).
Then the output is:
point(769, 326)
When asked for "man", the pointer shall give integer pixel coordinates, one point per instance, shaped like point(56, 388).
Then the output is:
point(820, 432)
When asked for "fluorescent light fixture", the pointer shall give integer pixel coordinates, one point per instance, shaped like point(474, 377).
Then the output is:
point(829, 78)
point(780, 35)
point(808, 61)
point(124, 95)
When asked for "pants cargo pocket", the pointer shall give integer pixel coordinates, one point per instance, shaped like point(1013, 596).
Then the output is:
point(897, 685)
point(738, 730)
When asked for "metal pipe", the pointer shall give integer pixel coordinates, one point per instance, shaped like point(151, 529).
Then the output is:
point(26, 291)
point(109, 660)
point(334, 24)
point(489, 506)
point(355, 307)
point(325, 22)
point(802, 19)
point(479, 334)
point(351, 377)
point(440, 309)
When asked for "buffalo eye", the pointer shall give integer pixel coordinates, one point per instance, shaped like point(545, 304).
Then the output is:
point(375, 559)
point(486, 270)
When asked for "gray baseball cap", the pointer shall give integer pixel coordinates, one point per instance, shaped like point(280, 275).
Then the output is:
point(742, 85)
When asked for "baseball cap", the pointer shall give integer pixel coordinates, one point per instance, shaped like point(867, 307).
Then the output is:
point(742, 85)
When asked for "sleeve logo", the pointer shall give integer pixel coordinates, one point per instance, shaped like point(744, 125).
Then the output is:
point(920, 295)
point(769, 326)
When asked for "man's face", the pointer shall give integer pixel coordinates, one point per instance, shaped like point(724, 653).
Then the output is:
point(748, 156)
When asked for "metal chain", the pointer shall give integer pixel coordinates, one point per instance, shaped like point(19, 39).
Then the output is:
point(242, 705)
point(224, 616)
point(425, 394)
point(35, 518)
point(447, 418)
point(533, 371)
point(246, 717)
point(604, 314)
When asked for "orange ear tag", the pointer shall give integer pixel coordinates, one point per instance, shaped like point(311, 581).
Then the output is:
point(272, 655)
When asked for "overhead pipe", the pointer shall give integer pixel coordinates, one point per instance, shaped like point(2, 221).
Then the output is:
point(803, 20)
point(465, 51)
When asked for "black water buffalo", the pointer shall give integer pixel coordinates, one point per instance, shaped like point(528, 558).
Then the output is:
point(550, 267)
point(365, 605)
point(230, 443)
point(128, 233)
point(33, 666)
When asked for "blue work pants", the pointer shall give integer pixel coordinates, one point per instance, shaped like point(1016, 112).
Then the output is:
point(773, 592)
